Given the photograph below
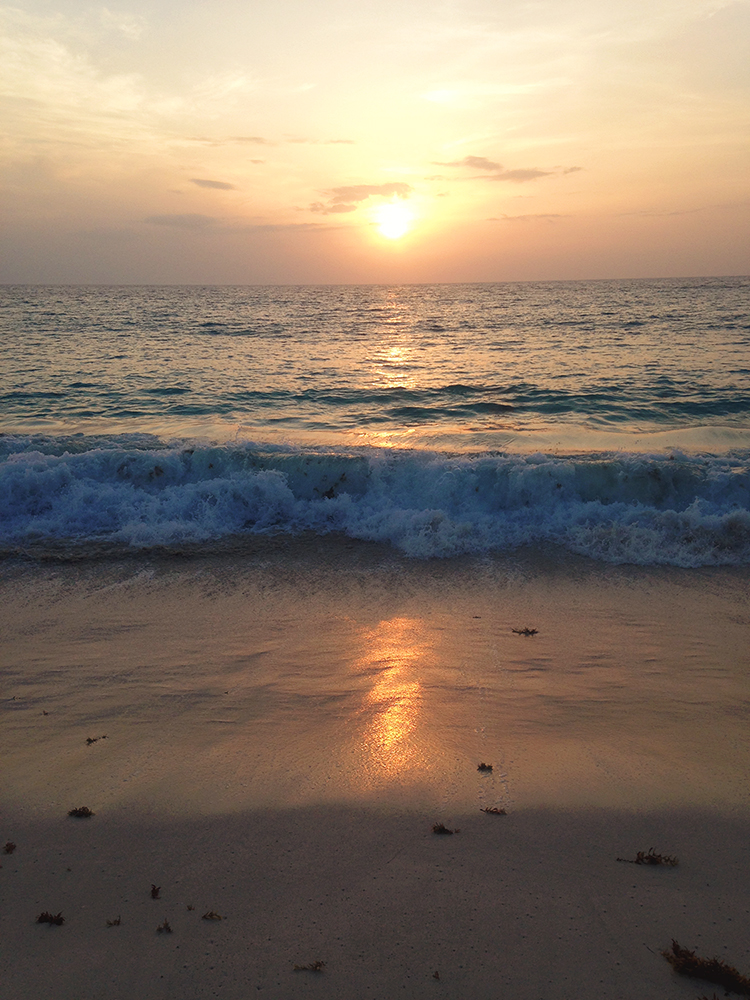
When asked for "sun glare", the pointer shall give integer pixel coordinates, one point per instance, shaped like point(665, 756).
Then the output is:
point(393, 219)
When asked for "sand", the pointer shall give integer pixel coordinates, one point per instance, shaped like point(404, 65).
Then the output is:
point(282, 732)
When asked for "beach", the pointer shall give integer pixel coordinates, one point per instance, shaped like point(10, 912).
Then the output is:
point(375, 501)
point(271, 736)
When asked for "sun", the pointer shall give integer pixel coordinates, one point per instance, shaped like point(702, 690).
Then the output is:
point(393, 219)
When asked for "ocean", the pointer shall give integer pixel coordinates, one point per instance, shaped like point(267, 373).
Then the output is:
point(609, 419)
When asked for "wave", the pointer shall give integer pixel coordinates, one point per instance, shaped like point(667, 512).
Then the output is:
point(660, 402)
point(144, 493)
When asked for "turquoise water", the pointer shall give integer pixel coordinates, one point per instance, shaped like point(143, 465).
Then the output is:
point(612, 418)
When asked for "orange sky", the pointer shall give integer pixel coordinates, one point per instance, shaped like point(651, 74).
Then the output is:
point(238, 142)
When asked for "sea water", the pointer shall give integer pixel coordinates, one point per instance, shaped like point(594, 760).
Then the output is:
point(609, 418)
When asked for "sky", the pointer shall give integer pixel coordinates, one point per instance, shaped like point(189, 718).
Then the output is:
point(291, 141)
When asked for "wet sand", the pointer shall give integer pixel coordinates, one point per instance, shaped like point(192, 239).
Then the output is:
point(282, 732)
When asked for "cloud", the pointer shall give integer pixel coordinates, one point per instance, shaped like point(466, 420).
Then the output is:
point(319, 206)
point(129, 25)
point(522, 175)
point(261, 140)
point(347, 198)
point(299, 141)
point(252, 140)
point(223, 87)
point(683, 211)
point(190, 220)
point(219, 185)
point(257, 140)
point(494, 171)
point(475, 163)
point(360, 192)
point(541, 216)
point(228, 227)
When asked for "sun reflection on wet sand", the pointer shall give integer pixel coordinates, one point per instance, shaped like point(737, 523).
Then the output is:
point(395, 650)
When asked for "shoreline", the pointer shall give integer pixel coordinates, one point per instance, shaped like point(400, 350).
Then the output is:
point(282, 732)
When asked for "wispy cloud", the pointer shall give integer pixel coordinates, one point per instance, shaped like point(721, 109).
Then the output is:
point(261, 140)
point(129, 25)
point(298, 141)
point(210, 223)
point(247, 140)
point(466, 94)
point(188, 220)
point(218, 185)
point(536, 217)
point(494, 171)
point(475, 163)
point(256, 140)
point(224, 86)
point(348, 198)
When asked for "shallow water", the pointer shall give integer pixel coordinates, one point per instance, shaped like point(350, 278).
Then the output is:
point(324, 673)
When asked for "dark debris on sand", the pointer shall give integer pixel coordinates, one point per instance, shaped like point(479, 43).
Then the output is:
point(650, 857)
point(441, 828)
point(51, 918)
point(712, 970)
point(81, 812)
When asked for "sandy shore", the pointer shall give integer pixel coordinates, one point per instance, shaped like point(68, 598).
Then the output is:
point(282, 732)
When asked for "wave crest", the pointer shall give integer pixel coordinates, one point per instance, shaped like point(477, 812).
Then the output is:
point(675, 509)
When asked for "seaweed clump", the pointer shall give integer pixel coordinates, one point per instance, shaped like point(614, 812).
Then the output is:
point(164, 928)
point(51, 918)
point(212, 915)
point(316, 966)
point(484, 767)
point(9, 847)
point(82, 812)
point(713, 970)
point(493, 811)
point(525, 631)
point(650, 857)
point(441, 828)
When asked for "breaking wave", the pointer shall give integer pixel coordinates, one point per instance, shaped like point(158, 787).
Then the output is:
point(144, 493)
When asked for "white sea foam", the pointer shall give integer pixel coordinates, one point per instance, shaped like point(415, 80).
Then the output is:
point(675, 509)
